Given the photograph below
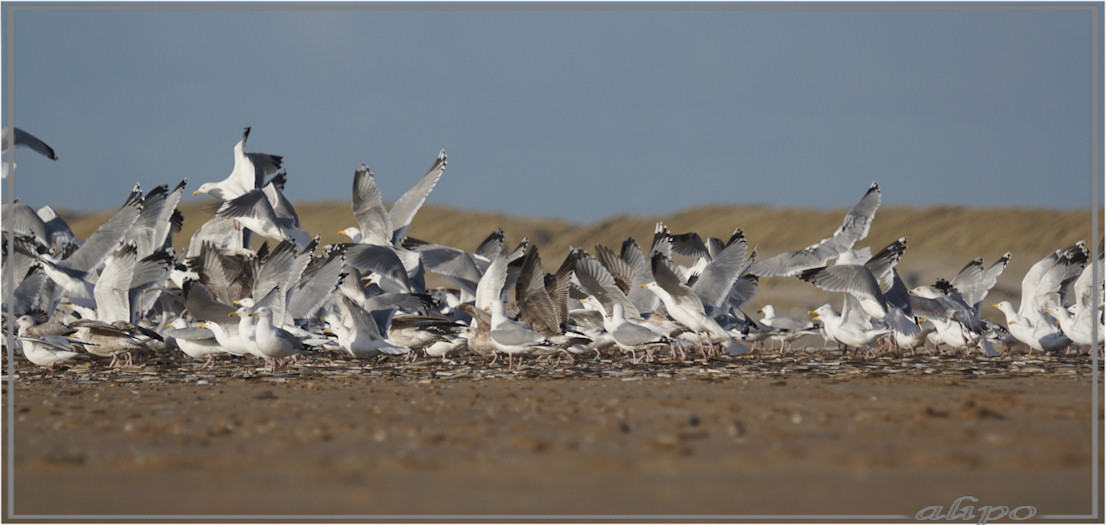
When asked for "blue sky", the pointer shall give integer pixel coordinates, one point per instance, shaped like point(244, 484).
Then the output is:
point(564, 110)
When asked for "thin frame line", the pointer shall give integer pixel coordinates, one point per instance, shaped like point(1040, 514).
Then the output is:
point(1096, 279)
point(10, 274)
point(510, 6)
point(543, 6)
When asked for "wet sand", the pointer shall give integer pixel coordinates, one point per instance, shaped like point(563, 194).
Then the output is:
point(734, 437)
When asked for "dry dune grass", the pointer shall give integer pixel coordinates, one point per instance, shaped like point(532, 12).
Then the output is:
point(941, 239)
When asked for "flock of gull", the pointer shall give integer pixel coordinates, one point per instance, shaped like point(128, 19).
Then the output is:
point(125, 290)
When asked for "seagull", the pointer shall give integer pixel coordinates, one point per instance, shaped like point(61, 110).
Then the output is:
point(61, 236)
point(247, 330)
point(630, 336)
point(215, 316)
point(24, 139)
point(124, 279)
point(866, 282)
point(1078, 330)
point(379, 227)
point(114, 339)
point(683, 305)
point(1039, 332)
point(973, 282)
point(512, 337)
point(255, 211)
point(1077, 321)
point(855, 228)
point(1041, 291)
point(418, 332)
point(195, 342)
point(250, 170)
point(955, 321)
point(46, 349)
point(543, 300)
point(789, 328)
point(26, 221)
point(479, 334)
point(462, 268)
point(599, 283)
point(152, 230)
point(49, 350)
point(847, 333)
point(274, 342)
point(72, 274)
point(375, 224)
point(444, 348)
point(358, 334)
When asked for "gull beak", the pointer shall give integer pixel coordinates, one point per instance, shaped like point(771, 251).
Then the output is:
point(197, 192)
point(921, 319)
point(487, 308)
point(232, 314)
point(236, 302)
point(812, 312)
point(1012, 322)
point(341, 232)
point(815, 318)
point(995, 306)
point(326, 331)
point(201, 325)
point(252, 314)
point(644, 285)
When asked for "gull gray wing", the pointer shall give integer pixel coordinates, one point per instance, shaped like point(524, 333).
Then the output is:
point(282, 208)
point(492, 283)
point(107, 237)
point(203, 306)
point(22, 138)
point(456, 265)
point(643, 299)
point(368, 208)
point(667, 278)
point(219, 231)
point(689, 244)
point(60, 234)
point(599, 282)
point(884, 261)
point(719, 276)
point(621, 270)
point(253, 204)
point(534, 303)
point(859, 219)
point(150, 273)
point(381, 260)
point(111, 289)
point(490, 247)
point(404, 209)
point(312, 293)
point(855, 279)
point(791, 263)
point(25, 221)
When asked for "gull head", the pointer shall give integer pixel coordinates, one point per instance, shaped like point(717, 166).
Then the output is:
point(210, 188)
point(353, 232)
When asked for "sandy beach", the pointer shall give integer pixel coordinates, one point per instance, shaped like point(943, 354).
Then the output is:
point(736, 438)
